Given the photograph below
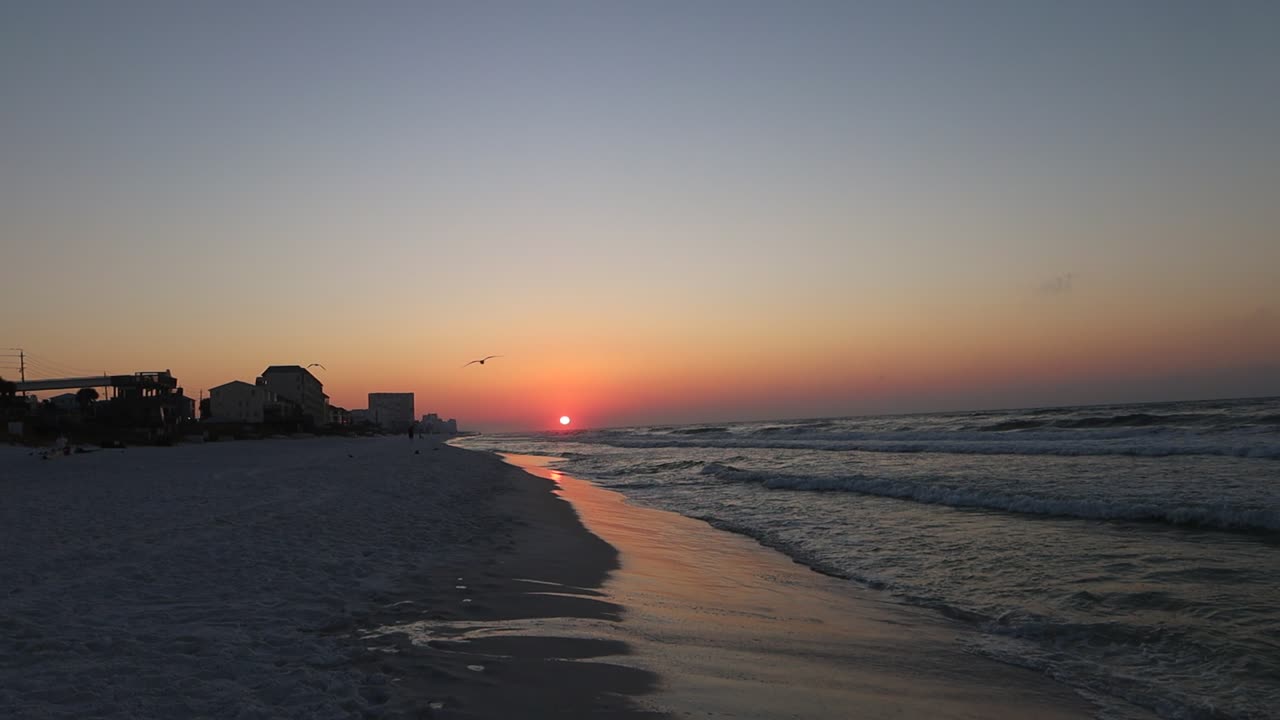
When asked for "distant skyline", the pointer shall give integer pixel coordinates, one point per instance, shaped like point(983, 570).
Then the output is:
point(655, 212)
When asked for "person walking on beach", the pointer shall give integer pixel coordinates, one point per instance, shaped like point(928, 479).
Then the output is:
point(412, 427)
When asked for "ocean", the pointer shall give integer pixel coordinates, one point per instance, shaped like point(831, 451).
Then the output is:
point(1129, 551)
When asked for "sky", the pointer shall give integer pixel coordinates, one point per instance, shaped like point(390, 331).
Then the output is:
point(654, 211)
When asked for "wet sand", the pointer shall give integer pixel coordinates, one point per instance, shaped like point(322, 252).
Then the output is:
point(514, 623)
point(651, 614)
point(734, 629)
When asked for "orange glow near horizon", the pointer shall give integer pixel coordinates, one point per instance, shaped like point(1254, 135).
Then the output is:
point(619, 366)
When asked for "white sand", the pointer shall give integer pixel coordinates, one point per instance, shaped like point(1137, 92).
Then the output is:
point(210, 580)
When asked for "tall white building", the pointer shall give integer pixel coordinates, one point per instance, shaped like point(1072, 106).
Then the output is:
point(393, 411)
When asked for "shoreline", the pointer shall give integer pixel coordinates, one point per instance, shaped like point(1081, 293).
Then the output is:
point(384, 577)
point(737, 629)
point(491, 633)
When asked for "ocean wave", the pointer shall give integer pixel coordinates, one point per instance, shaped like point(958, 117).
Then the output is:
point(773, 429)
point(1217, 517)
point(1130, 444)
point(1071, 651)
point(1130, 420)
point(700, 430)
point(1081, 655)
point(717, 468)
point(1100, 421)
point(632, 484)
point(1013, 425)
point(652, 468)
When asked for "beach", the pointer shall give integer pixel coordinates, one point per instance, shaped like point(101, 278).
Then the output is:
point(385, 577)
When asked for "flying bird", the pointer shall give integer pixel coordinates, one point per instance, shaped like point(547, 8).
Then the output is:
point(319, 366)
point(481, 360)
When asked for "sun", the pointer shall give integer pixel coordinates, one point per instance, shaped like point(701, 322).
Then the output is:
point(564, 419)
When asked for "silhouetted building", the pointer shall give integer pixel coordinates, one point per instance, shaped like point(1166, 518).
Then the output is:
point(147, 399)
point(433, 423)
point(66, 402)
point(239, 401)
point(296, 384)
point(393, 411)
point(186, 407)
point(283, 411)
point(339, 415)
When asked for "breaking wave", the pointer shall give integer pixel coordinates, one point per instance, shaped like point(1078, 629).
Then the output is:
point(971, 443)
point(1219, 517)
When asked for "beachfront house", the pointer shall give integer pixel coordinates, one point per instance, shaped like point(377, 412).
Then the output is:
point(296, 384)
point(66, 402)
point(239, 401)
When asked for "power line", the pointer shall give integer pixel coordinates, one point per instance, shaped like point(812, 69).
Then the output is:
point(48, 370)
point(32, 362)
point(61, 366)
point(38, 372)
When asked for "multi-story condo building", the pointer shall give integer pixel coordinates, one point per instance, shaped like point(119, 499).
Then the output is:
point(295, 383)
point(393, 411)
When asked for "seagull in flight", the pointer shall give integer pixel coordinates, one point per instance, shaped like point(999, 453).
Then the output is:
point(481, 360)
point(319, 366)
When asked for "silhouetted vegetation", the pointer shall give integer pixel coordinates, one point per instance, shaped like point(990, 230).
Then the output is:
point(85, 398)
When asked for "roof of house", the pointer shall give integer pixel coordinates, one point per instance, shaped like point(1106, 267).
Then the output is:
point(229, 384)
point(289, 370)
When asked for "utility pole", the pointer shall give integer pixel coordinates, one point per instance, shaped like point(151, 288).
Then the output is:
point(22, 366)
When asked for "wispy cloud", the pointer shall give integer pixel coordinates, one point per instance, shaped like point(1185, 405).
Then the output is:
point(1058, 284)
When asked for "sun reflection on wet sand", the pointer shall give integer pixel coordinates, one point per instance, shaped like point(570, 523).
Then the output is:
point(733, 627)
